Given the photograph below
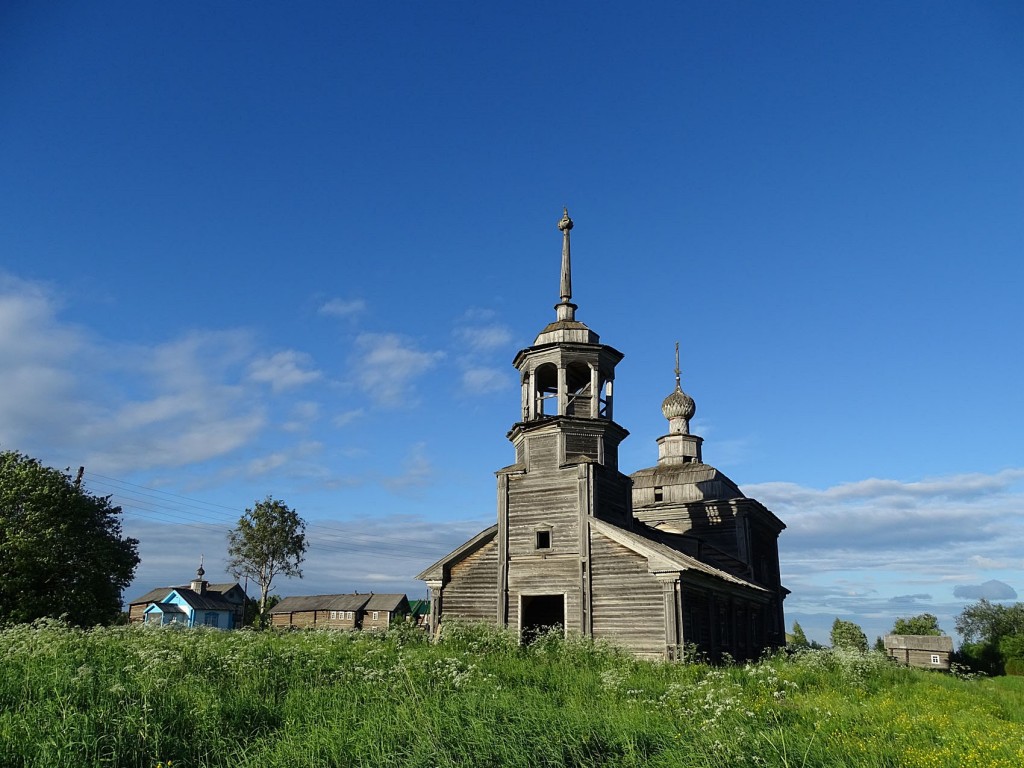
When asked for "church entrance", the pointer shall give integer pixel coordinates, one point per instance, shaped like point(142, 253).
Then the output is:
point(539, 614)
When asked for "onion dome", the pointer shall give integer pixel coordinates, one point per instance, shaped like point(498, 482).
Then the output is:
point(678, 407)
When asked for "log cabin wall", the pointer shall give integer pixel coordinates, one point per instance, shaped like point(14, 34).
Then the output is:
point(470, 594)
point(628, 601)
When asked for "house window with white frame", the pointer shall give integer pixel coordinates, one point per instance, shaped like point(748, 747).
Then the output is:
point(334, 615)
point(935, 658)
point(376, 615)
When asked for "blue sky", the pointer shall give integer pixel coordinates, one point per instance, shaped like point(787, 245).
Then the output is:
point(251, 249)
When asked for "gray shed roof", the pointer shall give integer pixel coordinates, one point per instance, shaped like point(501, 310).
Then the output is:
point(206, 602)
point(919, 642)
point(662, 557)
point(155, 595)
point(297, 603)
point(385, 602)
point(167, 607)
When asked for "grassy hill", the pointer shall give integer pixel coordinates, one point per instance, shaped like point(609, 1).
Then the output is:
point(133, 696)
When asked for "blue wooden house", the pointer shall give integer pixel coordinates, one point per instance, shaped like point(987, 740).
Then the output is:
point(192, 606)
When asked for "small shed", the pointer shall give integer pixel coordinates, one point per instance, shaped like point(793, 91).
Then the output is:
point(924, 651)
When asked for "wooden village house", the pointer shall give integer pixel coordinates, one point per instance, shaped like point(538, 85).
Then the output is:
point(368, 612)
point(925, 651)
point(198, 603)
point(672, 556)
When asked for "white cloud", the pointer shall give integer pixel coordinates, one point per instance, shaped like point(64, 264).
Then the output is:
point(417, 472)
point(342, 307)
point(347, 417)
point(73, 398)
point(386, 365)
point(284, 370)
point(484, 338)
point(478, 381)
point(875, 549)
point(301, 416)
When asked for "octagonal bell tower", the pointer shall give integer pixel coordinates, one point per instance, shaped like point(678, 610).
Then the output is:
point(565, 473)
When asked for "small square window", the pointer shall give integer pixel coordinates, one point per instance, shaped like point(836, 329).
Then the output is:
point(543, 539)
point(935, 658)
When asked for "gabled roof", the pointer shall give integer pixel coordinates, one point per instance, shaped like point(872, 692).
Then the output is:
point(166, 608)
point(419, 607)
point(204, 602)
point(386, 602)
point(297, 603)
point(155, 595)
point(436, 570)
point(919, 642)
point(663, 558)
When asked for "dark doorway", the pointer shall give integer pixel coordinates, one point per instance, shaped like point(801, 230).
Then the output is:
point(541, 613)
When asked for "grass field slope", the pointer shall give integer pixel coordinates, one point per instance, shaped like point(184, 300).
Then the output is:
point(146, 697)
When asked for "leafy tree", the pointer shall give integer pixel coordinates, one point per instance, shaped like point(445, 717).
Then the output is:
point(879, 644)
point(269, 540)
point(61, 548)
point(846, 634)
point(993, 635)
point(799, 638)
point(923, 624)
point(987, 622)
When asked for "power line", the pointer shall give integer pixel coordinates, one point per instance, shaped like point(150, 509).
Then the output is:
point(175, 509)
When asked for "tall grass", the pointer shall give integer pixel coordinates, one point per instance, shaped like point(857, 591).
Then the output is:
point(132, 696)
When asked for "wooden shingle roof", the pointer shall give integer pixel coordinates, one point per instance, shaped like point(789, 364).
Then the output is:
point(385, 602)
point(297, 603)
point(919, 642)
point(155, 595)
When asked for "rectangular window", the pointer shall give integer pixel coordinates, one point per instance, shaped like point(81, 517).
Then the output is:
point(376, 615)
point(543, 539)
point(935, 658)
point(212, 619)
point(334, 614)
point(659, 493)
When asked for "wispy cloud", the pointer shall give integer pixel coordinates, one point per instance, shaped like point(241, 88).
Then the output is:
point(387, 364)
point(342, 307)
point(345, 418)
point(878, 548)
point(72, 397)
point(477, 381)
point(417, 471)
point(284, 370)
point(484, 338)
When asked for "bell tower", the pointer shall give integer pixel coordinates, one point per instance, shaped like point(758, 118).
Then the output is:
point(566, 470)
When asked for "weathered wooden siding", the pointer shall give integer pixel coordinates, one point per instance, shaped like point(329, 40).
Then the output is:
point(382, 622)
point(137, 613)
point(611, 494)
point(923, 659)
point(628, 602)
point(545, 498)
point(546, 575)
point(318, 619)
point(472, 593)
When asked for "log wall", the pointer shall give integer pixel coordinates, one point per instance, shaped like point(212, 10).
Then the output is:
point(628, 602)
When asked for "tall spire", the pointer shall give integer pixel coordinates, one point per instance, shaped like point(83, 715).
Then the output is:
point(565, 309)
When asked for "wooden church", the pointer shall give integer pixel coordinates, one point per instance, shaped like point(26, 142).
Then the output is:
point(669, 558)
